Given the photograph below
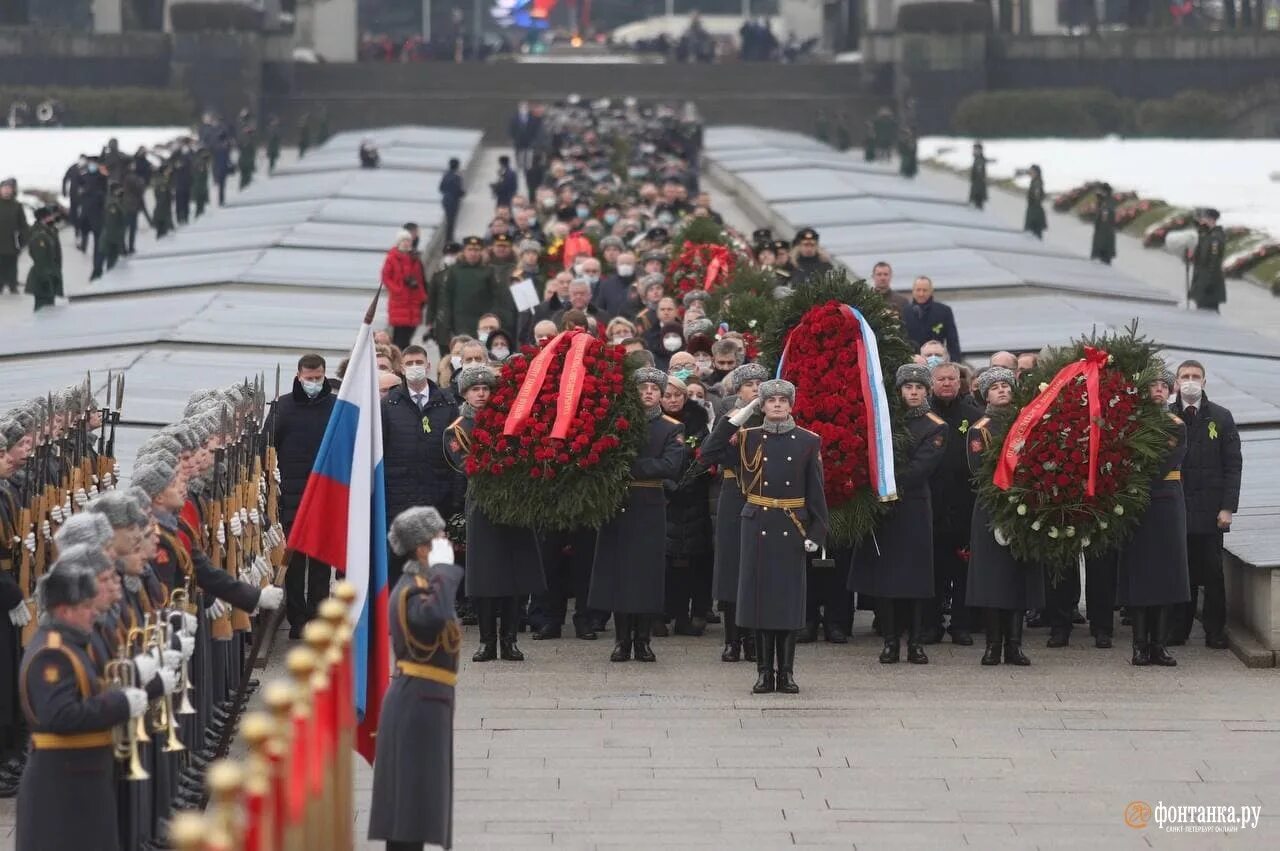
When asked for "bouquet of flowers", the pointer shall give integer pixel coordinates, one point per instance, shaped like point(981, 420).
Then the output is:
point(700, 266)
point(1130, 211)
point(1242, 261)
point(1073, 473)
point(1065, 201)
point(1155, 235)
point(819, 342)
point(553, 448)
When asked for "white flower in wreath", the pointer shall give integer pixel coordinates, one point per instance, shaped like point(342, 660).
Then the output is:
point(1084, 542)
point(1115, 400)
point(1071, 531)
point(1053, 532)
point(1111, 359)
point(1044, 385)
point(999, 535)
point(1118, 511)
point(752, 323)
point(1035, 527)
point(1102, 524)
point(1022, 510)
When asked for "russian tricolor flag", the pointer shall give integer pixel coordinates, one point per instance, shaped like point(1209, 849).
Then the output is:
point(342, 521)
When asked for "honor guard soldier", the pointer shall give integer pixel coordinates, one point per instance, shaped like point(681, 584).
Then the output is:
point(999, 583)
point(413, 768)
point(79, 721)
point(630, 562)
point(896, 565)
point(779, 467)
point(1153, 563)
point(504, 564)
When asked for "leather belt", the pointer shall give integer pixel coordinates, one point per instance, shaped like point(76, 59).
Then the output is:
point(71, 741)
point(427, 672)
point(1173, 476)
point(645, 483)
point(729, 474)
point(788, 507)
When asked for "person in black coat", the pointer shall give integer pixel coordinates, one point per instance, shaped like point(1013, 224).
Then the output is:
point(507, 184)
point(296, 425)
point(689, 534)
point(451, 193)
point(896, 565)
point(183, 178)
point(1104, 226)
point(978, 177)
point(613, 294)
point(71, 189)
point(926, 319)
point(1153, 562)
point(412, 799)
point(93, 210)
point(998, 582)
point(504, 565)
point(1034, 221)
point(415, 419)
point(1211, 485)
point(627, 576)
point(807, 263)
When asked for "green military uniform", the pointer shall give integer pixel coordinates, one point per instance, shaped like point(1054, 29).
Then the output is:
point(908, 159)
point(273, 146)
point(1208, 283)
point(200, 183)
point(162, 218)
point(1035, 220)
point(468, 292)
point(44, 281)
point(13, 238)
point(113, 227)
point(247, 162)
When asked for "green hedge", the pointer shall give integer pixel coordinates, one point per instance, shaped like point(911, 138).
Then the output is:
point(108, 107)
point(944, 17)
point(1187, 114)
point(1080, 113)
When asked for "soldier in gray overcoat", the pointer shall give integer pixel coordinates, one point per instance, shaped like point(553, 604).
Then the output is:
point(896, 565)
point(1152, 568)
point(413, 766)
point(999, 583)
point(745, 380)
point(779, 467)
point(504, 563)
point(627, 577)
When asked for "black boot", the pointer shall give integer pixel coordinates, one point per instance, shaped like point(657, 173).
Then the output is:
point(1141, 656)
point(622, 638)
point(785, 642)
point(749, 649)
point(915, 635)
point(1013, 654)
point(888, 617)
point(809, 634)
point(487, 617)
point(641, 625)
point(731, 652)
point(764, 662)
point(991, 619)
point(508, 651)
point(1158, 624)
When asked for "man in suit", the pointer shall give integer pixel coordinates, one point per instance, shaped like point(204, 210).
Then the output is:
point(926, 319)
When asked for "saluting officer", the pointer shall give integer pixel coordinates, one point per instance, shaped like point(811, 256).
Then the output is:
point(1153, 563)
point(785, 516)
point(999, 583)
point(413, 766)
point(628, 575)
point(504, 564)
point(896, 565)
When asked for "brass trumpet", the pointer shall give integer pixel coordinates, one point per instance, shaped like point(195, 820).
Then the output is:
point(178, 601)
point(161, 710)
point(124, 741)
point(136, 642)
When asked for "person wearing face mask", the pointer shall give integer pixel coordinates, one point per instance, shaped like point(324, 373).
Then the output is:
point(934, 353)
point(500, 346)
point(405, 281)
point(450, 364)
point(1211, 486)
point(672, 341)
point(999, 583)
point(689, 533)
point(610, 246)
point(618, 331)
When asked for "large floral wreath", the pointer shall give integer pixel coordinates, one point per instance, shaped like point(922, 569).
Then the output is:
point(822, 361)
point(1073, 474)
point(700, 266)
point(557, 465)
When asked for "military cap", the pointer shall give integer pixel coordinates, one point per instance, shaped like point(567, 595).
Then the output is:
point(1211, 213)
point(413, 528)
point(186, 436)
point(476, 374)
point(451, 248)
point(611, 242)
point(529, 245)
point(655, 279)
point(781, 245)
point(701, 325)
point(913, 373)
point(141, 497)
point(73, 578)
point(153, 477)
point(4, 440)
point(649, 375)
point(747, 372)
point(761, 236)
point(995, 375)
point(1165, 376)
point(502, 239)
point(695, 295)
point(803, 234)
point(161, 442)
point(654, 254)
point(778, 387)
point(83, 528)
point(473, 240)
point(120, 510)
point(658, 234)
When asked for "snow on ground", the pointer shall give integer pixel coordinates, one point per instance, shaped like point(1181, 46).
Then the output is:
point(1233, 175)
point(39, 156)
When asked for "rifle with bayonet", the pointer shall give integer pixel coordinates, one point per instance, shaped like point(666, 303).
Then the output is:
point(220, 629)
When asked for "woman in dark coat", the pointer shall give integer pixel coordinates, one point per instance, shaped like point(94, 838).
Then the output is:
point(1153, 564)
point(978, 177)
point(896, 565)
point(413, 767)
point(999, 583)
point(504, 563)
point(745, 380)
point(405, 280)
point(1035, 220)
point(1104, 226)
point(689, 536)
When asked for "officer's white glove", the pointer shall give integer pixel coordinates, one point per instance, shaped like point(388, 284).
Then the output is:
point(66, 506)
point(137, 701)
point(237, 528)
point(94, 479)
point(108, 481)
point(271, 598)
point(744, 413)
point(254, 517)
point(93, 488)
point(115, 472)
point(30, 542)
point(1000, 537)
point(810, 546)
point(56, 515)
point(81, 498)
point(20, 615)
point(441, 552)
point(218, 610)
point(220, 533)
point(264, 567)
point(275, 474)
point(188, 646)
point(189, 624)
point(46, 531)
point(244, 517)
point(277, 536)
point(146, 665)
point(171, 659)
point(170, 680)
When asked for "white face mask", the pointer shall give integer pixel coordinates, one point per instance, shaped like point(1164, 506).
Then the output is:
point(672, 344)
point(455, 361)
point(500, 352)
point(625, 270)
point(312, 388)
point(618, 338)
point(483, 336)
point(415, 374)
point(1191, 391)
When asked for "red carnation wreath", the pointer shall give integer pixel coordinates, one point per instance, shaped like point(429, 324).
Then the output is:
point(700, 266)
point(557, 464)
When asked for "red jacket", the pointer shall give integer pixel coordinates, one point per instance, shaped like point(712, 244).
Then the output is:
point(405, 280)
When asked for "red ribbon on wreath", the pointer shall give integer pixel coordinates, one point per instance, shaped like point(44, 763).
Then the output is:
point(1031, 418)
point(532, 386)
point(571, 381)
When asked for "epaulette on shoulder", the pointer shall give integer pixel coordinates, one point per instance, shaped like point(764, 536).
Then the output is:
point(672, 420)
point(54, 640)
point(806, 431)
point(935, 419)
point(982, 423)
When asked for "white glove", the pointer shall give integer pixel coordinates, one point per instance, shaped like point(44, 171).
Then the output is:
point(744, 413)
point(170, 680)
point(46, 531)
point(264, 568)
point(275, 474)
point(56, 514)
point(20, 615)
point(188, 646)
point(237, 528)
point(93, 488)
point(220, 533)
point(189, 624)
point(108, 481)
point(94, 479)
point(146, 665)
point(115, 472)
point(81, 498)
point(254, 517)
point(271, 598)
point(810, 546)
point(441, 552)
point(171, 659)
point(276, 536)
point(218, 610)
point(137, 701)
point(66, 506)
point(30, 542)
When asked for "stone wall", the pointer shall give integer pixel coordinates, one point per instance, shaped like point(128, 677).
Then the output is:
point(61, 57)
point(222, 71)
